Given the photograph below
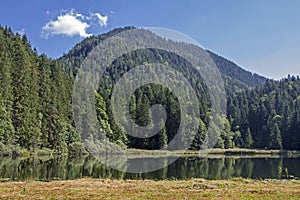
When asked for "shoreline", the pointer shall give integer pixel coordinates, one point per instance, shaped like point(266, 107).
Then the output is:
point(134, 153)
point(214, 152)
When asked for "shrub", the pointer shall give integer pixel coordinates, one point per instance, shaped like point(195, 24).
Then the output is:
point(76, 148)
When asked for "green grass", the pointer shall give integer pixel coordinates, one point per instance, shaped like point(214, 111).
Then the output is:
point(88, 188)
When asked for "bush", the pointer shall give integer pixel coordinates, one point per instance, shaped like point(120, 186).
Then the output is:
point(4, 150)
point(9, 150)
point(76, 148)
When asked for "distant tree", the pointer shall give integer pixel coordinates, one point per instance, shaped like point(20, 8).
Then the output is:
point(248, 139)
point(275, 141)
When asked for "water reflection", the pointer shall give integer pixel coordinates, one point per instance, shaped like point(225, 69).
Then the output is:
point(184, 168)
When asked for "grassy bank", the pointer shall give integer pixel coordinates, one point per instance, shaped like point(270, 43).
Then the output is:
point(212, 152)
point(148, 189)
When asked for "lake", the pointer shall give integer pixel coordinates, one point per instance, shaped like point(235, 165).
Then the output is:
point(216, 167)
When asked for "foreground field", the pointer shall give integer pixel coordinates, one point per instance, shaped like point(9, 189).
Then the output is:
point(148, 189)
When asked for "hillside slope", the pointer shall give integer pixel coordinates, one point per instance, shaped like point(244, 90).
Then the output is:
point(235, 72)
point(73, 59)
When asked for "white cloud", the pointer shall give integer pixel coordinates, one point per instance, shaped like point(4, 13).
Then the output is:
point(103, 20)
point(72, 23)
point(21, 32)
point(66, 25)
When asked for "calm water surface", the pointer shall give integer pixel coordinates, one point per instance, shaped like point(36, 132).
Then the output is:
point(63, 168)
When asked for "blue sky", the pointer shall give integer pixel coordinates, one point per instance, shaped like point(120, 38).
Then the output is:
point(261, 36)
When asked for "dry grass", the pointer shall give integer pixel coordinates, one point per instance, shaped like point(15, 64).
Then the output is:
point(147, 189)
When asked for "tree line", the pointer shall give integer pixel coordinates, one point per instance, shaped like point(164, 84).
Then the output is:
point(36, 104)
point(35, 99)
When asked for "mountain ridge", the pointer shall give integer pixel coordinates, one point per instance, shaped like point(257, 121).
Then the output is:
point(227, 67)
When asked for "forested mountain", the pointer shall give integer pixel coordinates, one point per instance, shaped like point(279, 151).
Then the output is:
point(250, 111)
point(73, 59)
point(36, 109)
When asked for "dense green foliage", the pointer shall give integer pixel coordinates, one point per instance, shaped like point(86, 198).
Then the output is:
point(36, 109)
point(35, 98)
point(270, 112)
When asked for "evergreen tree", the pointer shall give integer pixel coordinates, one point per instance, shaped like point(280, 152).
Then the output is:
point(275, 137)
point(248, 139)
